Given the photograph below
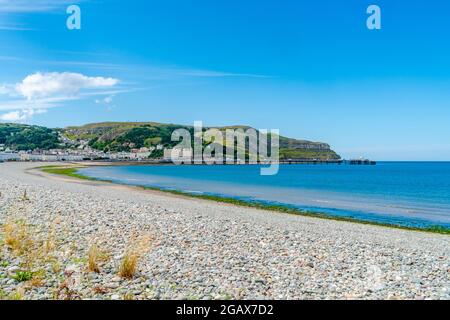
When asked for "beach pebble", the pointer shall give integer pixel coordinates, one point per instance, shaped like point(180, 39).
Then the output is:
point(195, 249)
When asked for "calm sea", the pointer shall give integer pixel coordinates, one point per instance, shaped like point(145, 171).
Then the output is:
point(403, 193)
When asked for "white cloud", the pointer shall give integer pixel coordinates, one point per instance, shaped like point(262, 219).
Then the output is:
point(9, 58)
point(21, 115)
point(106, 100)
point(19, 6)
point(8, 90)
point(218, 74)
point(23, 104)
point(14, 28)
point(4, 90)
point(39, 92)
point(41, 85)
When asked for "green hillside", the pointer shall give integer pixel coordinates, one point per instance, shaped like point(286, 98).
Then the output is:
point(123, 136)
point(24, 137)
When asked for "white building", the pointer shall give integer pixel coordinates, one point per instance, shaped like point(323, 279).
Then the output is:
point(9, 156)
point(179, 154)
point(70, 157)
point(38, 157)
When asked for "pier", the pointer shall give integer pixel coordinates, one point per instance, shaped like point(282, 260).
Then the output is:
point(325, 162)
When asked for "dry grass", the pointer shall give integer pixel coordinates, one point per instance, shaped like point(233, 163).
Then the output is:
point(38, 246)
point(56, 266)
point(128, 297)
point(128, 266)
point(29, 243)
point(17, 237)
point(49, 244)
point(36, 283)
point(18, 295)
point(38, 279)
point(137, 248)
point(100, 290)
point(96, 257)
point(34, 248)
point(93, 257)
point(66, 292)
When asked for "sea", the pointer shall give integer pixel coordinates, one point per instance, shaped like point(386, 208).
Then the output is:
point(411, 194)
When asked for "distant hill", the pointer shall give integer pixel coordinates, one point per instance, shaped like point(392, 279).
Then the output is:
point(24, 137)
point(121, 136)
point(124, 136)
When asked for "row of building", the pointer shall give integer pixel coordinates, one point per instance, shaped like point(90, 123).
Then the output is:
point(181, 155)
point(77, 155)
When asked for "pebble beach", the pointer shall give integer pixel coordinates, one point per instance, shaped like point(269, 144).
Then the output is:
point(52, 227)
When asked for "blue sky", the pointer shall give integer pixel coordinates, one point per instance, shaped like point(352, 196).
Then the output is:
point(309, 68)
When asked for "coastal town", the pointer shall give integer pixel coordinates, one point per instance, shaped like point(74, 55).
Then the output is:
point(144, 154)
point(142, 142)
point(82, 153)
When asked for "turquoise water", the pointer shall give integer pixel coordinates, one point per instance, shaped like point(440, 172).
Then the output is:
point(404, 193)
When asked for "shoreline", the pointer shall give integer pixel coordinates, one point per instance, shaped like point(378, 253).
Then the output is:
point(72, 171)
point(64, 238)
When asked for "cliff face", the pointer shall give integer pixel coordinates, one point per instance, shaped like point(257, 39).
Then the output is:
point(308, 150)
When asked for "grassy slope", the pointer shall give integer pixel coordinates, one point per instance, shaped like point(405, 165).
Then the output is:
point(112, 136)
point(117, 136)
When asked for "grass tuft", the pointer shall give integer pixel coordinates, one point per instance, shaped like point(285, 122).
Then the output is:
point(128, 297)
point(96, 257)
point(23, 276)
point(17, 237)
point(136, 249)
point(18, 295)
point(128, 266)
point(93, 262)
